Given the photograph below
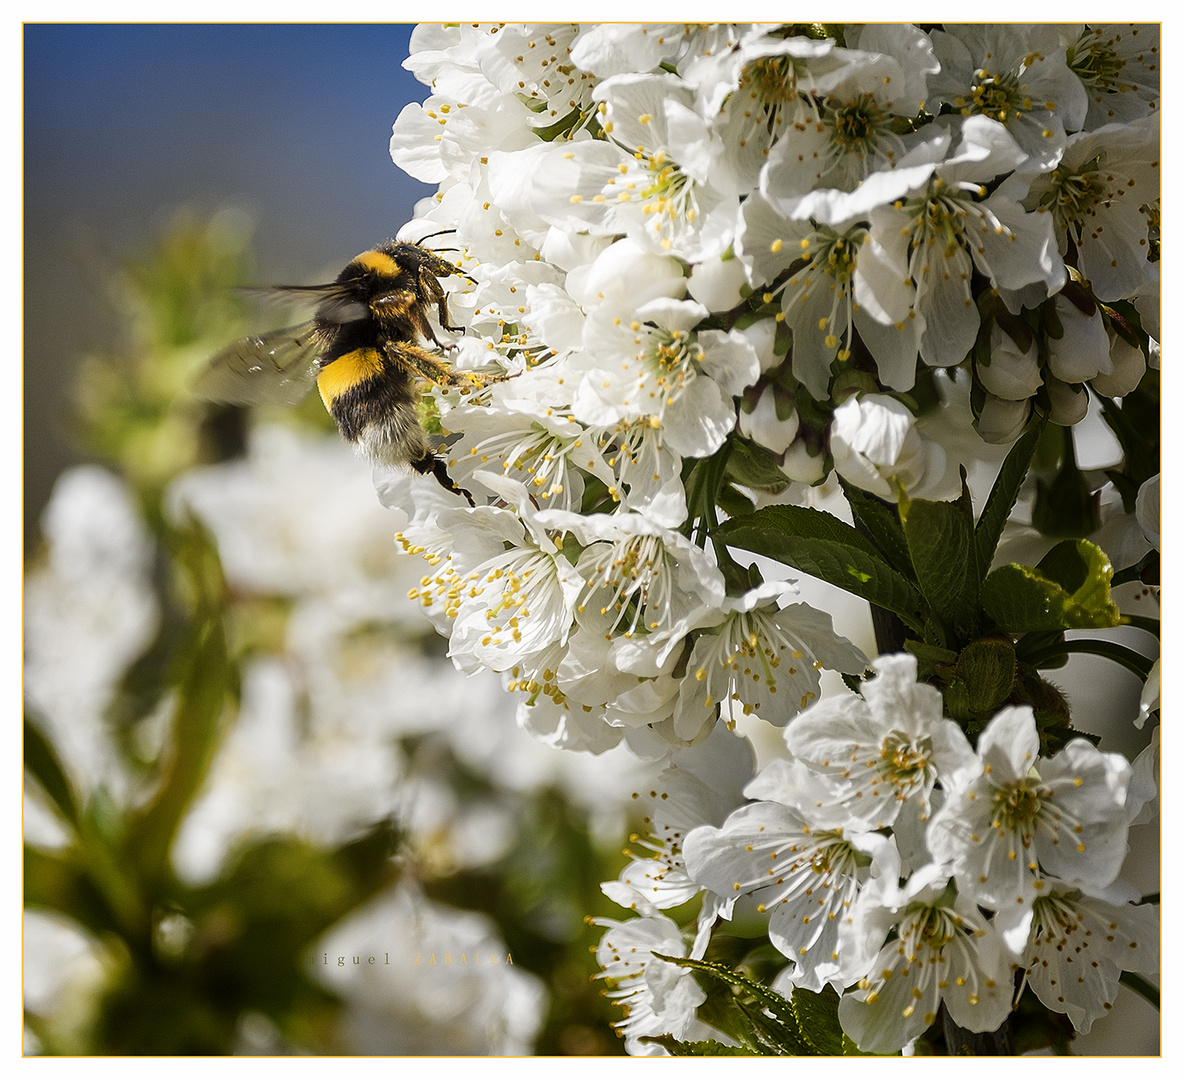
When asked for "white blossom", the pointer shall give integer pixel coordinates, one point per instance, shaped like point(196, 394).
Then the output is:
point(953, 227)
point(659, 997)
point(681, 240)
point(762, 658)
point(1023, 819)
point(698, 788)
point(1079, 946)
point(1119, 65)
point(837, 286)
point(873, 761)
point(805, 878)
point(89, 611)
point(944, 952)
point(1015, 74)
point(1100, 196)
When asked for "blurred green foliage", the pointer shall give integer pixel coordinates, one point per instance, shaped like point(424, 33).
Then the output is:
point(187, 969)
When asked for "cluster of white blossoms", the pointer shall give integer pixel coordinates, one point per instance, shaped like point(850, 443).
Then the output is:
point(897, 865)
point(706, 265)
point(879, 843)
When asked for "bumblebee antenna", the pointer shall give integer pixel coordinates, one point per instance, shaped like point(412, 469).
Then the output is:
point(442, 232)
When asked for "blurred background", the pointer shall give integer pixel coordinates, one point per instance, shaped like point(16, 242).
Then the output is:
point(252, 768)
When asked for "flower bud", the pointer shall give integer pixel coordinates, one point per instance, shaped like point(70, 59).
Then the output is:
point(1068, 402)
point(1147, 510)
point(799, 465)
point(1129, 366)
point(1083, 350)
point(763, 335)
point(1011, 374)
point(1001, 420)
point(773, 423)
point(716, 283)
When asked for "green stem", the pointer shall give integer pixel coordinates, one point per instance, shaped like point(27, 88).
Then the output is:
point(713, 474)
point(1141, 987)
point(1134, 662)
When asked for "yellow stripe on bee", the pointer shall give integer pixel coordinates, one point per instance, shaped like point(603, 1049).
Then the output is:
point(379, 262)
point(347, 372)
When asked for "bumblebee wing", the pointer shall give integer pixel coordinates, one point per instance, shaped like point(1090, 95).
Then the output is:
point(335, 302)
point(278, 368)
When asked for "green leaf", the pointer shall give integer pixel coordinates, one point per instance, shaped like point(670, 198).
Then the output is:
point(818, 1019)
point(1145, 570)
point(1083, 569)
point(1002, 499)
point(786, 1034)
point(1069, 589)
point(882, 523)
point(699, 1048)
point(819, 544)
point(769, 1033)
point(1135, 662)
point(56, 881)
point(940, 538)
point(1135, 421)
point(284, 894)
point(733, 503)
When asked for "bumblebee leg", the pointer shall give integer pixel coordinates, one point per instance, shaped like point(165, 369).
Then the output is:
point(440, 298)
point(430, 463)
point(423, 364)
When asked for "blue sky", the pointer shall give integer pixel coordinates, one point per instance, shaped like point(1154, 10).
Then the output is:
point(124, 122)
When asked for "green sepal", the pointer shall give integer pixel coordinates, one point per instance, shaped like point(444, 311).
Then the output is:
point(565, 124)
point(571, 548)
point(753, 466)
point(932, 656)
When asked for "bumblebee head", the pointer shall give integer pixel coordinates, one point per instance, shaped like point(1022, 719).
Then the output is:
point(420, 259)
point(374, 273)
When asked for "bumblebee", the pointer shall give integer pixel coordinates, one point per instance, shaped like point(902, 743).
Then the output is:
point(363, 351)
